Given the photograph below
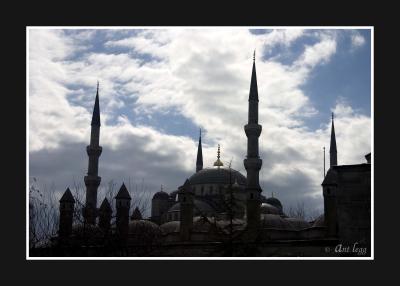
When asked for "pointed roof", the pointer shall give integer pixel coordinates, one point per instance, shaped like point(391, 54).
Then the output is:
point(136, 215)
point(96, 109)
point(199, 161)
point(253, 84)
point(105, 206)
point(67, 197)
point(333, 138)
point(123, 193)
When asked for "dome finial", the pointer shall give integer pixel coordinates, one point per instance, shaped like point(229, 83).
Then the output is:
point(218, 163)
point(254, 55)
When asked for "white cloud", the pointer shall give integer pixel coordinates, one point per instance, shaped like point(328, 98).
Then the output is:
point(204, 75)
point(317, 54)
point(357, 40)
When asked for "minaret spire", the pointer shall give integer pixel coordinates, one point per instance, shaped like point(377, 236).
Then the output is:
point(96, 109)
point(253, 163)
point(199, 161)
point(333, 150)
point(92, 180)
point(253, 84)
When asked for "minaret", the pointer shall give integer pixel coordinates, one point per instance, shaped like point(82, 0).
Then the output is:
point(332, 150)
point(253, 163)
point(92, 180)
point(199, 162)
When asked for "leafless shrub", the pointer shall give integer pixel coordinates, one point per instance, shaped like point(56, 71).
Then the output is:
point(43, 214)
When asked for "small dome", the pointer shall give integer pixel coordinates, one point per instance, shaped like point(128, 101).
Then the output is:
point(269, 209)
point(161, 195)
point(217, 176)
point(274, 202)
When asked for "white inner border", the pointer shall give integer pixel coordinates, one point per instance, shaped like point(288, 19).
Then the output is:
point(28, 28)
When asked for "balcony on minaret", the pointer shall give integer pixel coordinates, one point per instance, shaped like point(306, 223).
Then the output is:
point(94, 150)
point(252, 129)
point(92, 181)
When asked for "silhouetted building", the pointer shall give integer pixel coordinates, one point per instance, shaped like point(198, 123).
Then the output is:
point(218, 211)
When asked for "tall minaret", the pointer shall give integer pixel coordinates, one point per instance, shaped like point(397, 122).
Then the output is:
point(199, 162)
point(92, 180)
point(253, 162)
point(332, 150)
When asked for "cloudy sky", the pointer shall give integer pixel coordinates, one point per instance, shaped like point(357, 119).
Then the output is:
point(159, 86)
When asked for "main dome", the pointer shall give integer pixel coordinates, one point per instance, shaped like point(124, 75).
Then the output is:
point(217, 176)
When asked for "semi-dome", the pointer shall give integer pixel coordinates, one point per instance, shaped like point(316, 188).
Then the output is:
point(274, 202)
point(269, 209)
point(161, 195)
point(217, 176)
